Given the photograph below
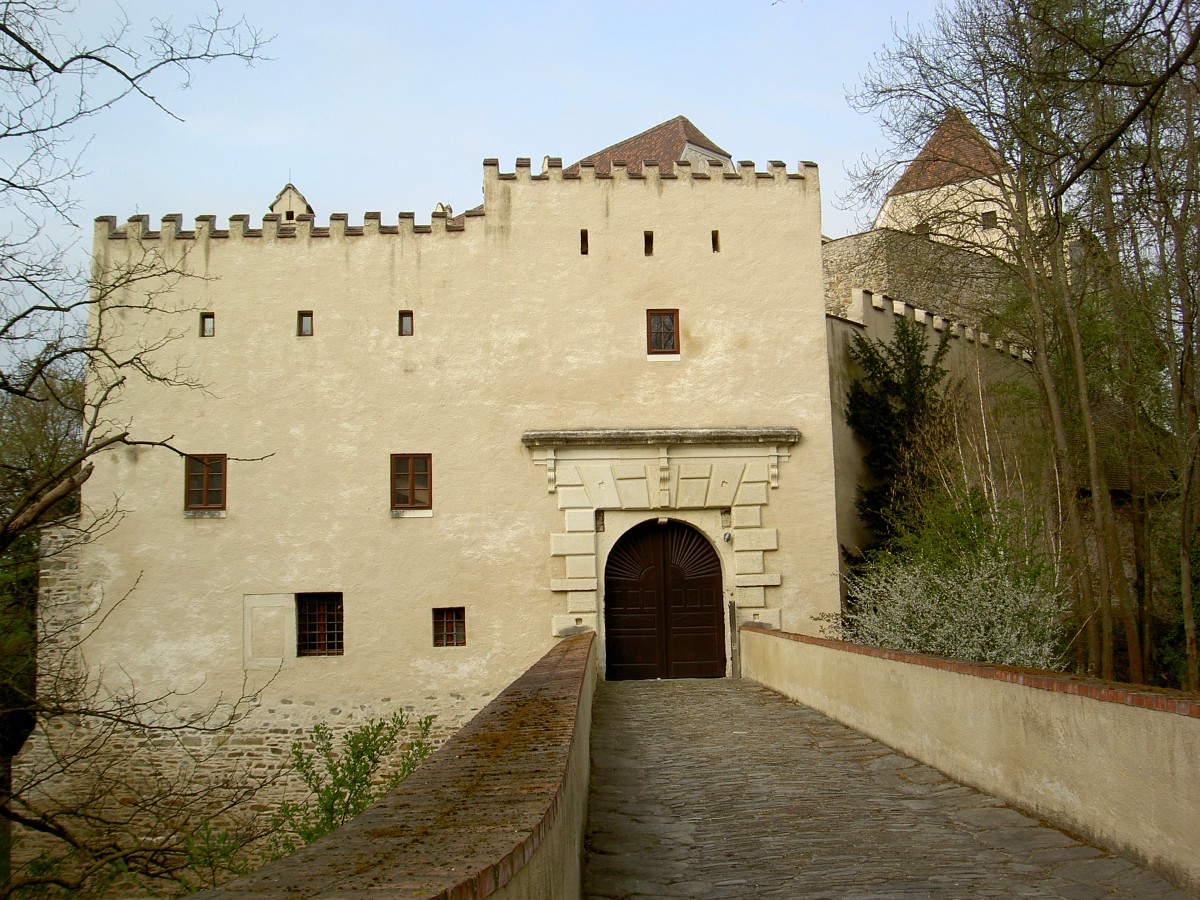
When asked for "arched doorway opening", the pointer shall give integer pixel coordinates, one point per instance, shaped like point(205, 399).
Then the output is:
point(663, 611)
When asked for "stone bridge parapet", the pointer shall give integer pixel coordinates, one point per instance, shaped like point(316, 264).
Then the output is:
point(1114, 764)
point(499, 811)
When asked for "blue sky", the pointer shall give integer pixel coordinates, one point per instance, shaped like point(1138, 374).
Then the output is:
point(393, 106)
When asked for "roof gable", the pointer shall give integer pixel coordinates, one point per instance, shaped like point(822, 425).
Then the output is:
point(664, 144)
point(956, 152)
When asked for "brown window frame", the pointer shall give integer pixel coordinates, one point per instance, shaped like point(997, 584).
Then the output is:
point(650, 332)
point(301, 316)
point(205, 461)
point(583, 242)
point(716, 241)
point(406, 315)
point(450, 626)
point(209, 319)
point(410, 487)
point(647, 243)
point(320, 620)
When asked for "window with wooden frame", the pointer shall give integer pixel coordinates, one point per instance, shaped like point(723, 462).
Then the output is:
point(208, 324)
point(204, 486)
point(406, 323)
point(450, 626)
point(412, 481)
point(662, 331)
point(304, 323)
point(319, 625)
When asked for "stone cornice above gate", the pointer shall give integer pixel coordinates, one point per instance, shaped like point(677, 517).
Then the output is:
point(663, 437)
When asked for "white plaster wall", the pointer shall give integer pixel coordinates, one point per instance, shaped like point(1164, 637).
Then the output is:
point(514, 330)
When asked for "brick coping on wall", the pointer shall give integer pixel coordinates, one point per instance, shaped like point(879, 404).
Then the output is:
point(470, 817)
point(1163, 699)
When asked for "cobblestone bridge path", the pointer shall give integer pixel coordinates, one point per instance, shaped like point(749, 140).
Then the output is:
point(721, 788)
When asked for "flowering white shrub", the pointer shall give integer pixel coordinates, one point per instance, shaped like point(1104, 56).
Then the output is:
point(972, 609)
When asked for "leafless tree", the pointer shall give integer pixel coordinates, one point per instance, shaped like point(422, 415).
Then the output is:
point(61, 324)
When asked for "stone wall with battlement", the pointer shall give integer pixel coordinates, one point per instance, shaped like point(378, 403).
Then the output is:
point(528, 315)
point(974, 358)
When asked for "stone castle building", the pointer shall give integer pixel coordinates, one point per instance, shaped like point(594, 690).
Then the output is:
point(413, 456)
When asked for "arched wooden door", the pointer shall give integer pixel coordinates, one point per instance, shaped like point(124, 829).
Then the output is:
point(663, 616)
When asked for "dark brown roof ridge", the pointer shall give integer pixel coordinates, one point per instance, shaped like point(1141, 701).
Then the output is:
point(663, 144)
point(956, 152)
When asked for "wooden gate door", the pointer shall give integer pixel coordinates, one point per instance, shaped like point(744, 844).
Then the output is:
point(663, 615)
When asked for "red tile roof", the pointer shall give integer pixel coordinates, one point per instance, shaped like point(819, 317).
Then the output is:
point(662, 144)
point(956, 152)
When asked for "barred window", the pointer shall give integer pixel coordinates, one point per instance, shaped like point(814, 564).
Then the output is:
point(662, 331)
point(412, 481)
point(319, 624)
point(450, 626)
point(205, 481)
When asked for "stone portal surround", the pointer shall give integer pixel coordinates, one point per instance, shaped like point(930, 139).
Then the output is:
point(715, 479)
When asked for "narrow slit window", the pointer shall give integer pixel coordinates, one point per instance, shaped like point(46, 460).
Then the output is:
point(304, 323)
point(450, 626)
point(406, 323)
point(716, 241)
point(319, 625)
point(208, 324)
point(648, 242)
point(583, 242)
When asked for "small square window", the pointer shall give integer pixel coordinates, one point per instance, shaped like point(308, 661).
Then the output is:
point(204, 481)
point(289, 215)
point(989, 219)
point(662, 331)
point(648, 243)
point(450, 626)
point(406, 322)
point(412, 481)
point(208, 324)
point(921, 228)
point(319, 625)
point(304, 323)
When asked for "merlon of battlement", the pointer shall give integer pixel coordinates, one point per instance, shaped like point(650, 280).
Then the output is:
point(969, 333)
point(643, 170)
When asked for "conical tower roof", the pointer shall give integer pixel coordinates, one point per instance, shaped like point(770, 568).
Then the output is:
point(956, 152)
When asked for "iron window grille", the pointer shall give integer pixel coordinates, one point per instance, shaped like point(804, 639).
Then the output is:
point(319, 625)
point(412, 481)
point(662, 331)
point(450, 626)
point(205, 481)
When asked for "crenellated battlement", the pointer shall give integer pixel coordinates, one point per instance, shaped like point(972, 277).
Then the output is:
point(552, 171)
point(442, 220)
point(881, 303)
